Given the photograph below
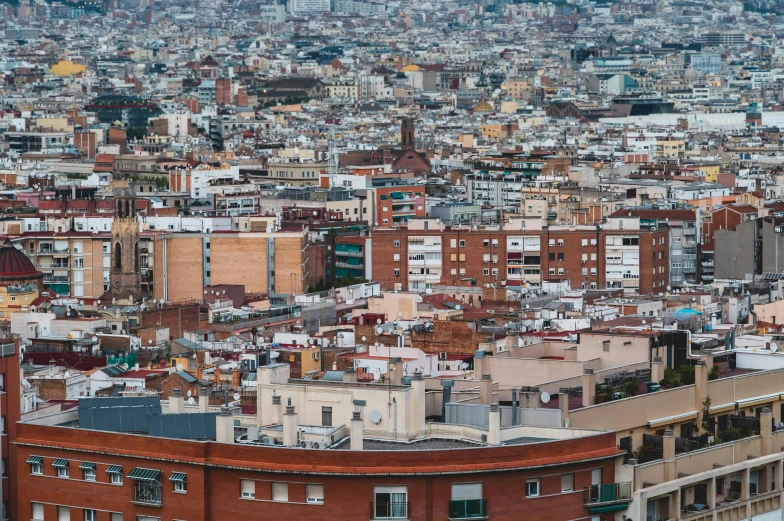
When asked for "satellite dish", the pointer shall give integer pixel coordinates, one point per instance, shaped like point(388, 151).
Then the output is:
point(191, 401)
point(379, 330)
point(545, 397)
point(457, 307)
point(179, 367)
point(364, 338)
point(236, 396)
point(375, 416)
point(81, 302)
point(464, 365)
point(378, 321)
point(95, 339)
point(774, 347)
point(189, 393)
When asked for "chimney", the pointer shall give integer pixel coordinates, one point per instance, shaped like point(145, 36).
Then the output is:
point(479, 363)
point(494, 430)
point(290, 426)
point(176, 405)
point(419, 409)
point(235, 378)
point(486, 389)
point(395, 370)
point(350, 375)
point(563, 405)
point(224, 427)
point(589, 387)
point(217, 375)
point(357, 436)
point(199, 373)
point(277, 409)
point(766, 432)
point(657, 369)
point(446, 397)
point(668, 455)
point(204, 400)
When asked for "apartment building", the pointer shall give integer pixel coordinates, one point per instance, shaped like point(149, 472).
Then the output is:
point(395, 205)
point(441, 471)
point(621, 254)
point(263, 262)
point(295, 173)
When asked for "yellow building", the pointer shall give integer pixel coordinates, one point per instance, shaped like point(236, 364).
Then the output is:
point(670, 148)
point(67, 68)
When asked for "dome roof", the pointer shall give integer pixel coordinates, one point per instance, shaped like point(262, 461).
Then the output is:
point(14, 265)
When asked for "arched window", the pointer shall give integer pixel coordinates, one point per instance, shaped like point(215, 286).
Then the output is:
point(136, 258)
point(117, 256)
point(118, 209)
point(127, 209)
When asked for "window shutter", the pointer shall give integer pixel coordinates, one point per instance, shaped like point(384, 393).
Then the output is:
point(315, 492)
point(464, 491)
point(38, 511)
point(63, 514)
point(248, 487)
point(280, 491)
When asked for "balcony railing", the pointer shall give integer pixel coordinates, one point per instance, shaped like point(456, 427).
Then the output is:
point(612, 497)
point(346, 265)
point(468, 509)
point(389, 511)
point(341, 253)
point(7, 350)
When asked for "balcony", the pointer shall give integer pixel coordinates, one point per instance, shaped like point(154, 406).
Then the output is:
point(707, 264)
point(340, 264)
point(349, 253)
point(689, 231)
point(468, 509)
point(613, 497)
point(389, 511)
point(7, 350)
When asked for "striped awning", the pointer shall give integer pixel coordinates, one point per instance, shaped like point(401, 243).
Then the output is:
point(141, 474)
point(86, 465)
point(61, 463)
point(35, 460)
point(114, 469)
point(178, 477)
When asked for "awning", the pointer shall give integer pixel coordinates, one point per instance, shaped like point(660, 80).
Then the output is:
point(60, 463)
point(663, 422)
point(35, 460)
point(177, 477)
point(397, 195)
point(145, 475)
point(87, 466)
point(114, 469)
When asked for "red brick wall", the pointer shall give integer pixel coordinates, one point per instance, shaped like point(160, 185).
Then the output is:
point(177, 318)
point(214, 470)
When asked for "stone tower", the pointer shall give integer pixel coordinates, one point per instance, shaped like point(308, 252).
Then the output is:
point(125, 274)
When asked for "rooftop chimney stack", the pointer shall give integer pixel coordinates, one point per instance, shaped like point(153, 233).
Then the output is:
point(290, 426)
point(486, 389)
point(204, 400)
point(350, 375)
point(395, 370)
point(176, 405)
point(357, 436)
point(224, 427)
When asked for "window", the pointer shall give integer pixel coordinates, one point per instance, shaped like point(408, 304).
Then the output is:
point(567, 482)
point(315, 494)
point(62, 467)
point(532, 487)
point(560, 256)
point(560, 242)
point(280, 491)
point(396, 257)
point(63, 514)
point(88, 471)
point(584, 242)
point(551, 257)
point(462, 243)
point(326, 416)
point(467, 501)
point(397, 272)
point(390, 502)
point(38, 511)
point(551, 271)
point(115, 474)
point(551, 242)
point(89, 515)
point(453, 243)
point(396, 244)
point(494, 243)
point(36, 465)
point(247, 488)
point(179, 483)
point(486, 271)
point(606, 345)
point(485, 242)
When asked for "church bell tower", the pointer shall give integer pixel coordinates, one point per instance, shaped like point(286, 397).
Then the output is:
point(125, 275)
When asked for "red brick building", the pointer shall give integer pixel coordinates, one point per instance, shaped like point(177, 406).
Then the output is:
point(10, 412)
point(398, 204)
point(121, 476)
point(587, 256)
